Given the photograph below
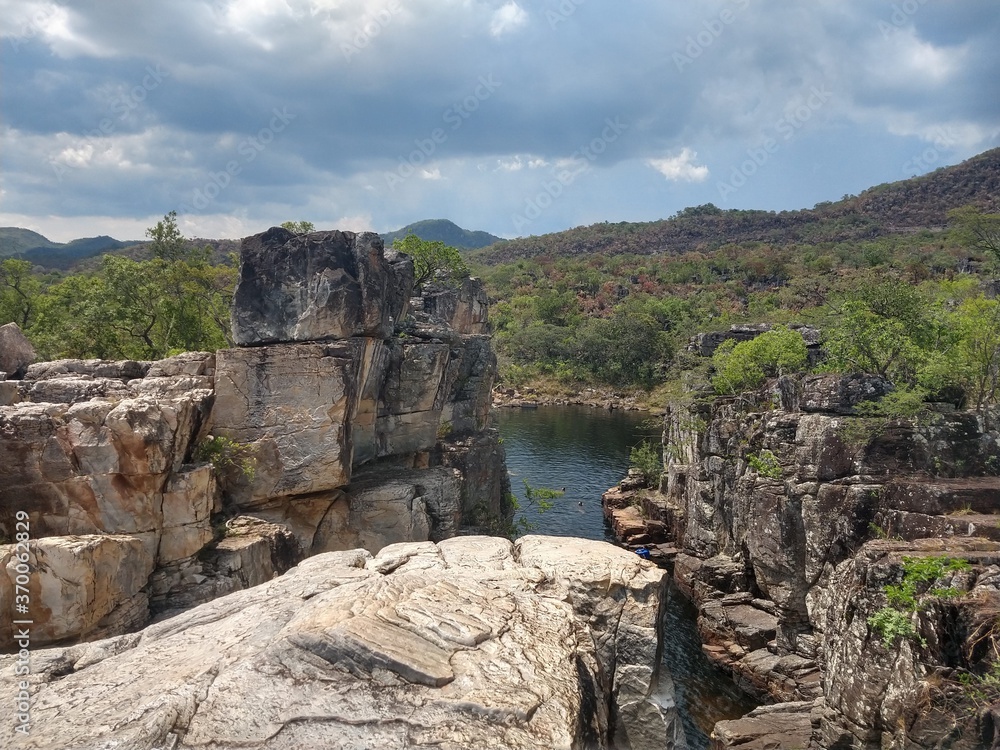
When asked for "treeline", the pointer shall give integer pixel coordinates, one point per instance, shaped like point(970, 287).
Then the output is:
point(124, 309)
point(624, 320)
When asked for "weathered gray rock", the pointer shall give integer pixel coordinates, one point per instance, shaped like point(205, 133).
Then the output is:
point(385, 505)
point(79, 587)
point(293, 404)
point(16, 352)
point(97, 466)
point(126, 369)
point(464, 309)
point(320, 286)
point(470, 643)
point(830, 393)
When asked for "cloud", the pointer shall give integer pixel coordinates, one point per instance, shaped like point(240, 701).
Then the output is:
point(128, 110)
point(509, 17)
point(680, 168)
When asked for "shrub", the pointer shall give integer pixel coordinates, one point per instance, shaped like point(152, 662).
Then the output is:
point(228, 456)
point(765, 463)
point(645, 457)
point(744, 366)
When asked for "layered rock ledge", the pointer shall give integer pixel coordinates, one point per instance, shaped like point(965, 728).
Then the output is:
point(474, 642)
point(791, 522)
point(350, 415)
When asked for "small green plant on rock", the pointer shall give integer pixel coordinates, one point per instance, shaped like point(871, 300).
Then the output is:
point(228, 456)
point(896, 620)
point(765, 463)
point(645, 457)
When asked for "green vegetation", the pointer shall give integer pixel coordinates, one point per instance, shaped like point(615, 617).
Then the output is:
point(299, 227)
point(765, 463)
point(895, 621)
point(537, 498)
point(431, 258)
point(645, 457)
point(231, 459)
point(445, 231)
point(744, 366)
point(175, 301)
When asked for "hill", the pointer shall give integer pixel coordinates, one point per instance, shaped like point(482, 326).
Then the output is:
point(892, 208)
point(445, 231)
point(41, 251)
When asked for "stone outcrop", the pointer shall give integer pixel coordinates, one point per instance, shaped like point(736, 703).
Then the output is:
point(227, 468)
point(320, 286)
point(16, 352)
point(777, 503)
point(473, 642)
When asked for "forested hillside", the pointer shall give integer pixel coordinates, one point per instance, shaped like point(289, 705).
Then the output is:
point(881, 211)
point(614, 305)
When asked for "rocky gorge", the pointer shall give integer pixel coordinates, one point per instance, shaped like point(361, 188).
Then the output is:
point(275, 545)
point(846, 568)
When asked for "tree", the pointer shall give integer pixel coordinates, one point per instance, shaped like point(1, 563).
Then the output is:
point(167, 241)
point(19, 290)
point(299, 227)
point(977, 230)
point(430, 257)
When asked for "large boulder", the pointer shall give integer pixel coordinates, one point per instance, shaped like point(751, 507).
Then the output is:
point(469, 643)
point(78, 587)
point(16, 352)
point(320, 286)
point(294, 405)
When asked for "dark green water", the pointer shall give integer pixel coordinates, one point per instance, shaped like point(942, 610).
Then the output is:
point(586, 451)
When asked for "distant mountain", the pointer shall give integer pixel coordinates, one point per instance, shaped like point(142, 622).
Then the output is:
point(41, 251)
point(15, 240)
point(445, 231)
point(899, 207)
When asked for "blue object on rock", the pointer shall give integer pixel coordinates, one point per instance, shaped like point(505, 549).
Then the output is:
point(643, 553)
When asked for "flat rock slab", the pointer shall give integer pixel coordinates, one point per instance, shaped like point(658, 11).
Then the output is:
point(471, 643)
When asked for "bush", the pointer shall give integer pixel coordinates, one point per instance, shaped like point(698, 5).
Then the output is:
point(744, 366)
point(765, 463)
point(645, 458)
point(228, 456)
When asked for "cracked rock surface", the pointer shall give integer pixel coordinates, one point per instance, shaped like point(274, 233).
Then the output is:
point(473, 642)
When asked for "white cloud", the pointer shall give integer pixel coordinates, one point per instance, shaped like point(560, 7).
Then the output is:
point(510, 17)
point(680, 168)
point(431, 174)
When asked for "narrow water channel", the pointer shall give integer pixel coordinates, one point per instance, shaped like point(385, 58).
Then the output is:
point(586, 451)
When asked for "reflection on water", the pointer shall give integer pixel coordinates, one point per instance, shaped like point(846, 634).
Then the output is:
point(585, 451)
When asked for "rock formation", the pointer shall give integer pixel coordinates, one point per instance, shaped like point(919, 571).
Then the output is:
point(474, 642)
point(792, 518)
point(340, 421)
point(16, 352)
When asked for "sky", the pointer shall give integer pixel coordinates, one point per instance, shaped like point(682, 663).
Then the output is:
point(517, 117)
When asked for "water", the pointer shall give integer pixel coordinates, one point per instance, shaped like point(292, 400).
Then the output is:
point(586, 451)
